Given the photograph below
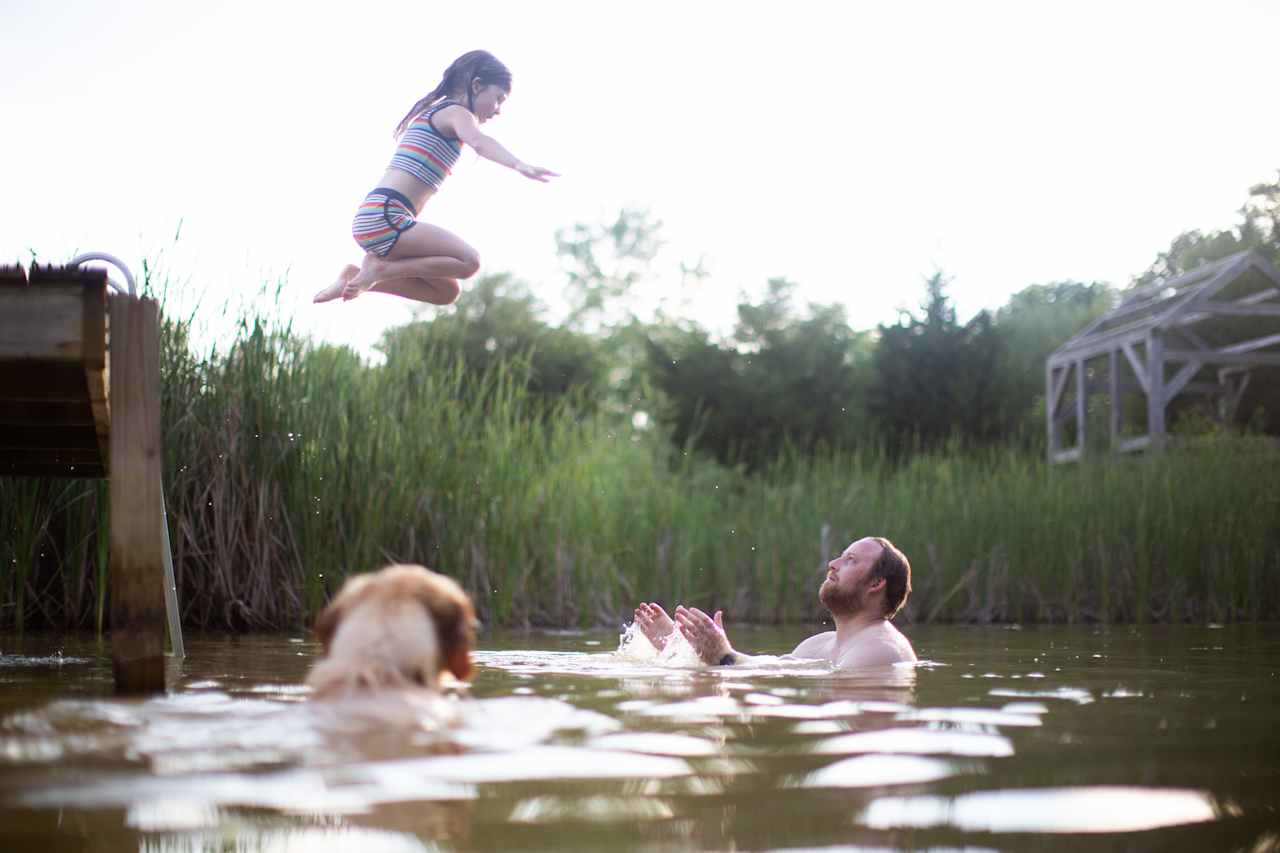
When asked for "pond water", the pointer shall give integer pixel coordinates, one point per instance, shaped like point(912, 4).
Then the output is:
point(1143, 738)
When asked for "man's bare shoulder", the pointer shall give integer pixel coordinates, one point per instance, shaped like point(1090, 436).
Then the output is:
point(818, 646)
point(882, 645)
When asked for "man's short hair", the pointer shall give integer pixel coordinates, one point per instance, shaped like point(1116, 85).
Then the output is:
point(892, 565)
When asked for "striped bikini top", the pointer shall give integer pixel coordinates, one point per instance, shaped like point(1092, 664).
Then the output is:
point(424, 152)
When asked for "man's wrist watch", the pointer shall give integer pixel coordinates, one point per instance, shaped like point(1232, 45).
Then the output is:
point(727, 660)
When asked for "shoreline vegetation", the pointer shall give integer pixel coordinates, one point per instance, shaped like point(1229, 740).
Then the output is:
point(289, 465)
point(563, 473)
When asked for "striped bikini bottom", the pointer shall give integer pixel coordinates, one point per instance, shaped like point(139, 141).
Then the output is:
point(383, 216)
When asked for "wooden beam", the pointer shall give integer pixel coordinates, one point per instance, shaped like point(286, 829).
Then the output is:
point(1260, 296)
point(1130, 333)
point(1069, 455)
point(1212, 389)
point(1082, 397)
point(1129, 445)
point(1253, 359)
point(1251, 345)
point(1191, 338)
point(1220, 309)
point(1182, 377)
point(1138, 370)
point(1201, 272)
point(1050, 404)
point(1234, 395)
point(137, 560)
point(1155, 389)
point(1226, 274)
point(1113, 380)
point(1059, 385)
point(1246, 306)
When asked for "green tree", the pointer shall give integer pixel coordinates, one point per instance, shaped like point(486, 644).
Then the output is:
point(499, 319)
point(603, 262)
point(935, 378)
point(1033, 323)
point(783, 379)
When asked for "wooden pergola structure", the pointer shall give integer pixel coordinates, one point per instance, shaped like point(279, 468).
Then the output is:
point(1201, 333)
point(80, 397)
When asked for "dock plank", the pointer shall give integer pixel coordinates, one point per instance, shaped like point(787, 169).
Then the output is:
point(26, 381)
point(77, 412)
point(42, 324)
point(37, 468)
point(16, 437)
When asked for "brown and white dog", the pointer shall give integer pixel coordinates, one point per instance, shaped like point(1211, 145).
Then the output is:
point(400, 627)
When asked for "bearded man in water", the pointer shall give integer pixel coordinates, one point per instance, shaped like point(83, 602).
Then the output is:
point(864, 588)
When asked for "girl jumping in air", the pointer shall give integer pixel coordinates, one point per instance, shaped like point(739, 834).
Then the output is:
point(406, 257)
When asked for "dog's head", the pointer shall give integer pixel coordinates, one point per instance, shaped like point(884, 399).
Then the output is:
point(445, 603)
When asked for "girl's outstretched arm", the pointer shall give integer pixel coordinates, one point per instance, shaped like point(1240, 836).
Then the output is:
point(464, 126)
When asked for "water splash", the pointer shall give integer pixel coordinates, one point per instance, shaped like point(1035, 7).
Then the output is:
point(634, 647)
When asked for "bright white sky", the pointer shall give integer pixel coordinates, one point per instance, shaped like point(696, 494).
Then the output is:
point(852, 147)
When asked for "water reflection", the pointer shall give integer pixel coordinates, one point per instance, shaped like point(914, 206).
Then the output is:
point(919, 741)
point(595, 809)
point(658, 743)
point(288, 839)
point(880, 771)
point(1052, 810)
point(568, 747)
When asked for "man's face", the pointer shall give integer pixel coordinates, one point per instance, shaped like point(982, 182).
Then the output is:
point(843, 592)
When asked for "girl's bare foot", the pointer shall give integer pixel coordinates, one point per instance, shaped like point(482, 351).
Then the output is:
point(655, 624)
point(336, 289)
point(366, 278)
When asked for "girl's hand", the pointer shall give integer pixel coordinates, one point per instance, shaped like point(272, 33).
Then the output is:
point(536, 173)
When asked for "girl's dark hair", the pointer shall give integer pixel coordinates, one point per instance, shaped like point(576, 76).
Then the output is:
point(474, 65)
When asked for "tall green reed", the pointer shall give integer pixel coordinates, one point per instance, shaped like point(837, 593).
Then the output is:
point(290, 465)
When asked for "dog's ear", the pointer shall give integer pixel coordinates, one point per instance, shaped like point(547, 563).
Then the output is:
point(450, 608)
point(335, 611)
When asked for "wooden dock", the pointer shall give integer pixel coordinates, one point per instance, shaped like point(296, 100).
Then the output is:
point(80, 397)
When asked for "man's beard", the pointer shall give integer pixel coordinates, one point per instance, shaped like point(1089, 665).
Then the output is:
point(841, 601)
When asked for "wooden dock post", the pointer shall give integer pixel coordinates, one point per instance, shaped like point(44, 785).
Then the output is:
point(137, 510)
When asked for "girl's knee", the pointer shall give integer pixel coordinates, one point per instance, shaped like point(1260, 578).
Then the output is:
point(470, 261)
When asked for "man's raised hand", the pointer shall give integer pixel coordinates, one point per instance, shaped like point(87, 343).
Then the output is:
point(655, 624)
point(704, 633)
